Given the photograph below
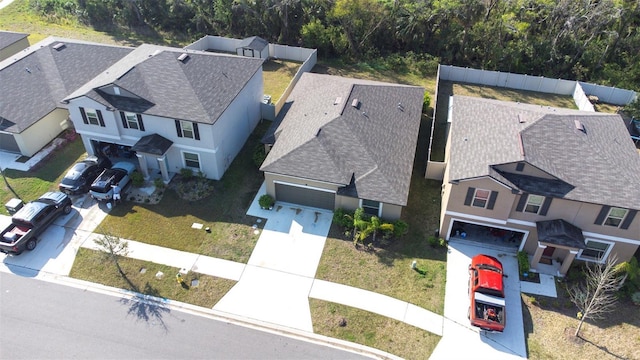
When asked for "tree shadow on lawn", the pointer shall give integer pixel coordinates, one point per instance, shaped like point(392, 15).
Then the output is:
point(145, 307)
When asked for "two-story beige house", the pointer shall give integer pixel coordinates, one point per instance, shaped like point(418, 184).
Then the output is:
point(559, 184)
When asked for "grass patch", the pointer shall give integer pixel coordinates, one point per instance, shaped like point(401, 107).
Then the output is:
point(551, 322)
point(504, 94)
point(31, 184)
point(370, 329)
point(91, 265)
point(168, 224)
point(277, 75)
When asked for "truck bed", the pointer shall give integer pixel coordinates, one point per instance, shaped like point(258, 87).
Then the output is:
point(14, 234)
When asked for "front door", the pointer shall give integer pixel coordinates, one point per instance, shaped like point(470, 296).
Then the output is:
point(548, 252)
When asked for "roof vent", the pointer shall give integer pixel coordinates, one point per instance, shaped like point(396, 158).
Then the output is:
point(59, 46)
point(156, 52)
point(521, 120)
point(337, 101)
point(356, 103)
point(183, 57)
point(579, 126)
point(400, 107)
point(318, 133)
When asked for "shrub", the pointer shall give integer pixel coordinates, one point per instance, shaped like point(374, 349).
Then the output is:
point(635, 297)
point(400, 228)
point(259, 155)
point(186, 173)
point(158, 183)
point(343, 219)
point(442, 242)
point(433, 241)
point(266, 201)
point(523, 262)
point(426, 102)
point(137, 179)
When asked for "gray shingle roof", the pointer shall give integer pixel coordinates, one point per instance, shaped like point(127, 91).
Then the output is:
point(254, 43)
point(598, 166)
point(327, 140)
point(33, 82)
point(8, 38)
point(197, 89)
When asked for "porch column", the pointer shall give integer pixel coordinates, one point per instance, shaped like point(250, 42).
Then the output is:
point(142, 161)
point(566, 263)
point(163, 169)
point(538, 254)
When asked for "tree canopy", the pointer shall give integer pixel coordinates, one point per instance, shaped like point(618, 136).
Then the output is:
point(588, 40)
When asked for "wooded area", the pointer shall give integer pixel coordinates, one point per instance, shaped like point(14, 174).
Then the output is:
point(588, 40)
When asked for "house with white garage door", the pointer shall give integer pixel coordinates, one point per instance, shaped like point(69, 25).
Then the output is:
point(33, 83)
point(559, 184)
point(173, 108)
point(344, 143)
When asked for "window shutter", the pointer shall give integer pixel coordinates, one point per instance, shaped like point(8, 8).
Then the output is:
point(629, 219)
point(100, 119)
point(124, 120)
point(84, 116)
point(545, 206)
point(178, 128)
point(492, 200)
point(196, 133)
point(603, 213)
point(522, 202)
point(469, 198)
point(140, 124)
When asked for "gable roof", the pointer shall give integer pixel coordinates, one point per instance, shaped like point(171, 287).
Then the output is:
point(198, 88)
point(599, 165)
point(254, 43)
point(34, 81)
point(8, 38)
point(367, 150)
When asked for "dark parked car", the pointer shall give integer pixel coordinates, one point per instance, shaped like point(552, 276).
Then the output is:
point(82, 174)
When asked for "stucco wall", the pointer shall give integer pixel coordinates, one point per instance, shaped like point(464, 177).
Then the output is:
point(38, 135)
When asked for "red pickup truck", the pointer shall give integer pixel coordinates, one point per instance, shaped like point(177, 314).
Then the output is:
point(486, 293)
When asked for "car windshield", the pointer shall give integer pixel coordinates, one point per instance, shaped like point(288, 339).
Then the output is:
point(75, 172)
point(489, 267)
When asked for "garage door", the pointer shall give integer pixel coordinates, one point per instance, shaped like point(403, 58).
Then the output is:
point(8, 143)
point(305, 196)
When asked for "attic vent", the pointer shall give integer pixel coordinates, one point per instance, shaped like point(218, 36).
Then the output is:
point(521, 120)
point(579, 126)
point(318, 133)
point(59, 46)
point(356, 103)
point(183, 57)
point(337, 101)
point(116, 90)
point(400, 107)
point(155, 53)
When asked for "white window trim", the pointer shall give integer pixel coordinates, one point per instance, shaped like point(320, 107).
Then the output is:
point(184, 161)
point(473, 200)
point(606, 254)
point(626, 213)
point(133, 119)
point(524, 209)
point(379, 209)
point(94, 112)
point(192, 131)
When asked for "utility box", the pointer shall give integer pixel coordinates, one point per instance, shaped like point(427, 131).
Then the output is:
point(13, 206)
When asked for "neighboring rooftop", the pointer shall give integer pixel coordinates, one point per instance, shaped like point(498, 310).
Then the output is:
point(590, 154)
point(254, 43)
point(34, 81)
point(164, 82)
point(358, 134)
point(8, 38)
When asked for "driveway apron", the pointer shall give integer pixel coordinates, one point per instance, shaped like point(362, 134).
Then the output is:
point(276, 282)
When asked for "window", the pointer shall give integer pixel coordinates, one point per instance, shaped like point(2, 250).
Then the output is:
point(187, 129)
point(480, 198)
point(371, 207)
point(534, 203)
point(92, 117)
point(191, 160)
point(520, 166)
point(595, 251)
point(615, 217)
point(132, 121)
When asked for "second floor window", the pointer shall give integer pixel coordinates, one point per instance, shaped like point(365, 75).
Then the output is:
point(615, 217)
point(534, 203)
point(480, 198)
point(91, 117)
point(187, 129)
point(131, 120)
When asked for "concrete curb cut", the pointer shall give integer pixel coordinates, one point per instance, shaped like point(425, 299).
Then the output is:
point(220, 316)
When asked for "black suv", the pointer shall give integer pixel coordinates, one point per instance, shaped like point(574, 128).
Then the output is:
point(79, 178)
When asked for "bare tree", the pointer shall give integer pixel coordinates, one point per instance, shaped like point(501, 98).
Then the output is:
point(595, 296)
point(114, 247)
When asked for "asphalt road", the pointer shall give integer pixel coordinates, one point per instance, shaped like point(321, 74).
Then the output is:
point(39, 319)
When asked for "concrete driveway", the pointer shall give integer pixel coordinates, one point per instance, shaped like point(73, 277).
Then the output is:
point(461, 340)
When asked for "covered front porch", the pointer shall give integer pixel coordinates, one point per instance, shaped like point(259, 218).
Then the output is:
point(559, 242)
point(153, 148)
